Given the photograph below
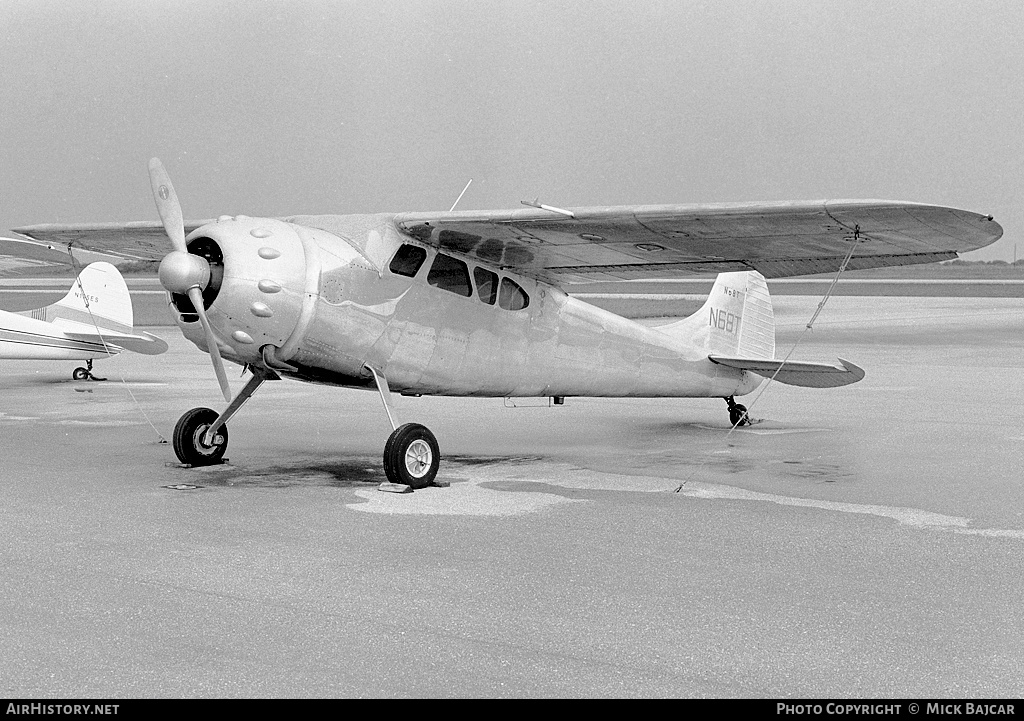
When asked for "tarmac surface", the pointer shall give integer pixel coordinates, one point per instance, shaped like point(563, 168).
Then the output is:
point(859, 542)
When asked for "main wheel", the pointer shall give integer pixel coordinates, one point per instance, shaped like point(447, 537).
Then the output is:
point(80, 374)
point(411, 456)
point(188, 438)
point(738, 415)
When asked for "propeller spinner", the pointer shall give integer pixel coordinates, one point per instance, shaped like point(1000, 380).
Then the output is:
point(180, 271)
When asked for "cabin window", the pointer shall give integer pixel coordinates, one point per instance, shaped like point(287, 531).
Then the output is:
point(450, 274)
point(486, 285)
point(511, 296)
point(407, 260)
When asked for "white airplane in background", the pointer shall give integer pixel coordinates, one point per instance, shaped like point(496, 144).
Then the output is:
point(473, 303)
point(94, 320)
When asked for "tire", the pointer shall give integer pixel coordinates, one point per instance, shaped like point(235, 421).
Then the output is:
point(411, 456)
point(80, 374)
point(738, 415)
point(188, 438)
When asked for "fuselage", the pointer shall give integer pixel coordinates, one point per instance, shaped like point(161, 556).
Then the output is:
point(333, 296)
point(26, 338)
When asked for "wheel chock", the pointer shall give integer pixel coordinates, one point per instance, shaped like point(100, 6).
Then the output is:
point(389, 487)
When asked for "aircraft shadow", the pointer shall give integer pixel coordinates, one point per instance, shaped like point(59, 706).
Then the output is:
point(339, 472)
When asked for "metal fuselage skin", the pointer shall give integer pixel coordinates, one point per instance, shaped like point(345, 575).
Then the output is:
point(318, 289)
point(26, 338)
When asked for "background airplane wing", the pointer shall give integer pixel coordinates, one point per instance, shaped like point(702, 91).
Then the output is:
point(776, 239)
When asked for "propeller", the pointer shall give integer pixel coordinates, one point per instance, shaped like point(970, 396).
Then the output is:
point(180, 271)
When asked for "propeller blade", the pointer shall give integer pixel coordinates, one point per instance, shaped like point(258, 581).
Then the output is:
point(167, 204)
point(181, 271)
point(196, 296)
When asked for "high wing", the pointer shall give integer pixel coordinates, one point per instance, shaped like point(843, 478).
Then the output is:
point(659, 241)
point(650, 241)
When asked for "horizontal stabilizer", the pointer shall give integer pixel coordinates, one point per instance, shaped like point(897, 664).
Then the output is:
point(144, 343)
point(796, 373)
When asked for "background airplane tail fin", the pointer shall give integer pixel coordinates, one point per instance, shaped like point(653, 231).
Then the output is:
point(98, 299)
point(736, 319)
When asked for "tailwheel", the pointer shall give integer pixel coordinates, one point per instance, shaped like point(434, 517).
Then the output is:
point(189, 438)
point(737, 413)
point(411, 456)
point(85, 374)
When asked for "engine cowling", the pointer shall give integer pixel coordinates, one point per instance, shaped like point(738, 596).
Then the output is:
point(261, 273)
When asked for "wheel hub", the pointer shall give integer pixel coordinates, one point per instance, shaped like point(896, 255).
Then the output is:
point(200, 440)
point(418, 458)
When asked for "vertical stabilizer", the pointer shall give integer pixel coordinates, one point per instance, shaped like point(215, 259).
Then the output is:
point(98, 299)
point(735, 320)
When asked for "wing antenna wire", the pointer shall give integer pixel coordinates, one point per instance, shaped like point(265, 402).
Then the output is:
point(535, 203)
point(460, 196)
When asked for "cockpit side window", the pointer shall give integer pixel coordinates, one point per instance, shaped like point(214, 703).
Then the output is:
point(512, 296)
point(450, 274)
point(407, 260)
point(486, 285)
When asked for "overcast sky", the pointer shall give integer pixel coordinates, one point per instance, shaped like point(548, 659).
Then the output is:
point(275, 108)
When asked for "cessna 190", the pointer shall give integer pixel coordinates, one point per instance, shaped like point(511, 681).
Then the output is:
point(473, 303)
point(94, 320)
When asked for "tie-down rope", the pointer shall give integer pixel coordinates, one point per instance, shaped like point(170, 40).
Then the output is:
point(106, 348)
point(809, 326)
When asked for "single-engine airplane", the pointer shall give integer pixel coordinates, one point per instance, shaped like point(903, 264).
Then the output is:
point(94, 320)
point(473, 303)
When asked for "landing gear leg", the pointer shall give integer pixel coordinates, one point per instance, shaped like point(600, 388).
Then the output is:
point(737, 413)
point(411, 455)
point(201, 436)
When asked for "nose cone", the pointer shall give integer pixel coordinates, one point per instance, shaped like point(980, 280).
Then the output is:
point(180, 271)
